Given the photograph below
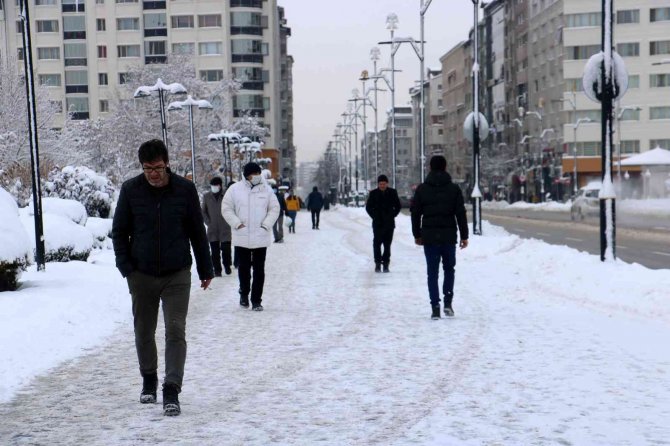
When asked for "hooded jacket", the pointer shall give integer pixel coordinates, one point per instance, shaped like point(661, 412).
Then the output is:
point(218, 230)
point(438, 210)
point(254, 206)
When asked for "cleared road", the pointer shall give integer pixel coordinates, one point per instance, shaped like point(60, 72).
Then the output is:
point(648, 247)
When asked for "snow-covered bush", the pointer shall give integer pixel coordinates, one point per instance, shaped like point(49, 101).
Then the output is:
point(71, 209)
point(14, 243)
point(82, 184)
point(101, 228)
point(64, 240)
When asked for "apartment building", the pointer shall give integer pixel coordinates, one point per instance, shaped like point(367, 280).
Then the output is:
point(434, 114)
point(82, 49)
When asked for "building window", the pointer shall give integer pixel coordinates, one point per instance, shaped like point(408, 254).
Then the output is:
point(245, 19)
point(581, 52)
point(182, 21)
point(74, 54)
point(630, 114)
point(128, 50)
point(19, 53)
point(57, 105)
point(211, 75)
point(659, 113)
point(155, 20)
point(593, 115)
point(74, 27)
point(634, 81)
point(99, 2)
point(50, 53)
point(573, 85)
point(49, 80)
point(628, 49)
point(210, 48)
point(662, 143)
point(123, 78)
point(659, 80)
point(19, 27)
point(76, 104)
point(582, 20)
point(128, 24)
point(104, 105)
point(630, 146)
point(100, 24)
point(659, 14)
point(76, 82)
point(127, 1)
point(209, 21)
point(47, 26)
point(45, 2)
point(183, 48)
point(248, 101)
point(628, 16)
point(659, 47)
point(102, 51)
point(103, 79)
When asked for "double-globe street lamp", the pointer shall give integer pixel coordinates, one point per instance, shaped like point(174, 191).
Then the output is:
point(190, 103)
point(225, 138)
point(160, 89)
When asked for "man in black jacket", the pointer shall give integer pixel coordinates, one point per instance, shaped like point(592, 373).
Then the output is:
point(437, 209)
point(315, 204)
point(157, 218)
point(383, 206)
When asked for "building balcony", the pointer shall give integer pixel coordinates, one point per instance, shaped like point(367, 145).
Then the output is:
point(76, 89)
point(246, 4)
point(155, 59)
point(250, 30)
point(76, 62)
point(74, 7)
point(74, 35)
point(156, 32)
point(248, 58)
point(253, 85)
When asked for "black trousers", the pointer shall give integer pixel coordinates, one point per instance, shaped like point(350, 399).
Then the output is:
point(251, 258)
point(382, 236)
point(315, 218)
point(217, 249)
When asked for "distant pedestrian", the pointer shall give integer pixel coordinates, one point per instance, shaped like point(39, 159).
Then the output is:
point(292, 208)
point(437, 211)
point(383, 206)
point(218, 230)
point(315, 204)
point(326, 202)
point(157, 221)
point(278, 228)
point(251, 208)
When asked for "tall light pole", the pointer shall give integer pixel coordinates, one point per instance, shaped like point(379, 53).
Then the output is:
point(160, 89)
point(392, 25)
point(476, 193)
point(366, 158)
point(225, 138)
point(425, 4)
point(354, 116)
point(620, 114)
point(374, 56)
point(190, 103)
point(34, 142)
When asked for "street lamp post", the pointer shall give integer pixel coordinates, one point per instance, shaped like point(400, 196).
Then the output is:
point(425, 4)
point(392, 25)
point(160, 89)
point(620, 114)
point(354, 116)
point(374, 56)
point(476, 193)
point(225, 138)
point(190, 103)
point(34, 142)
point(575, 126)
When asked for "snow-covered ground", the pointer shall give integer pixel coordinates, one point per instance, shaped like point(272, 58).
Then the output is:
point(548, 346)
point(659, 207)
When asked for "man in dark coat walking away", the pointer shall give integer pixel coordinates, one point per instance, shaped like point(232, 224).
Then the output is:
point(278, 227)
point(383, 206)
point(156, 222)
point(218, 230)
point(315, 204)
point(437, 211)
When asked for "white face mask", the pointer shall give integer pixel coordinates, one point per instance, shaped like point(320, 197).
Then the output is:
point(216, 189)
point(256, 180)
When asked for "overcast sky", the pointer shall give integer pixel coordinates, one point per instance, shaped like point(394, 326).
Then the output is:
point(331, 42)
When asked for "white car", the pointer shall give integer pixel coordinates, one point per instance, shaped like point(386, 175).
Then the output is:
point(586, 202)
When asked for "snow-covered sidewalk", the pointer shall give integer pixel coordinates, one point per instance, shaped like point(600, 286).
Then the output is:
point(548, 346)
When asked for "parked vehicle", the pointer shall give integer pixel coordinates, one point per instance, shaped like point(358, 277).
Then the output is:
point(586, 203)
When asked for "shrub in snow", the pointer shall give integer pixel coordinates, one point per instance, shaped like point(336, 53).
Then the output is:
point(71, 209)
point(101, 229)
point(14, 243)
point(64, 240)
point(82, 184)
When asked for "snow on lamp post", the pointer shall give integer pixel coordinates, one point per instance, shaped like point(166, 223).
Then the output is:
point(24, 17)
point(160, 89)
point(374, 56)
point(619, 116)
point(392, 25)
point(225, 138)
point(190, 103)
point(605, 80)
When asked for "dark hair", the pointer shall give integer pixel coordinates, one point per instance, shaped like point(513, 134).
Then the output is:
point(216, 181)
point(382, 179)
point(315, 189)
point(230, 184)
point(152, 150)
point(438, 163)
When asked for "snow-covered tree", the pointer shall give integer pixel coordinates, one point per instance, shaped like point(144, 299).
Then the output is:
point(82, 184)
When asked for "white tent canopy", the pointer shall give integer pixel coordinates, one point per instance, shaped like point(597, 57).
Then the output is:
point(655, 157)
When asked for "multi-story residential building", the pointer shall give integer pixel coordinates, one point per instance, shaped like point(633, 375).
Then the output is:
point(286, 146)
point(407, 155)
point(83, 48)
point(455, 80)
point(305, 176)
point(434, 115)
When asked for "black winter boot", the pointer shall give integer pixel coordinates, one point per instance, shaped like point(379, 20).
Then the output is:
point(171, 406)
point(448, 310)
point(436, 313)
point(378, 267)
point(386, 268)
point(149, 386)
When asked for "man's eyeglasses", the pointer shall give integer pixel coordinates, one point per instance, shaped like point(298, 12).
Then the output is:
point(154, 169)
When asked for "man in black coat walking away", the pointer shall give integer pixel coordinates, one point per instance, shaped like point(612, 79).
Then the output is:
point(218, 230)
point(437, 211)
point(383, 206)
point(156, 222)
point(315, 204)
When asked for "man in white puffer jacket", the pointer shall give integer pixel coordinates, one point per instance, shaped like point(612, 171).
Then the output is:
point(251, 209)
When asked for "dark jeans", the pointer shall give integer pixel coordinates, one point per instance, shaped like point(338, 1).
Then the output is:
point(315, 218)
point(217, 249)
point(278, 228)
point(382, 236)
point(147, 293)
point(249, 258)
point(292, 215)
point(435, 253)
